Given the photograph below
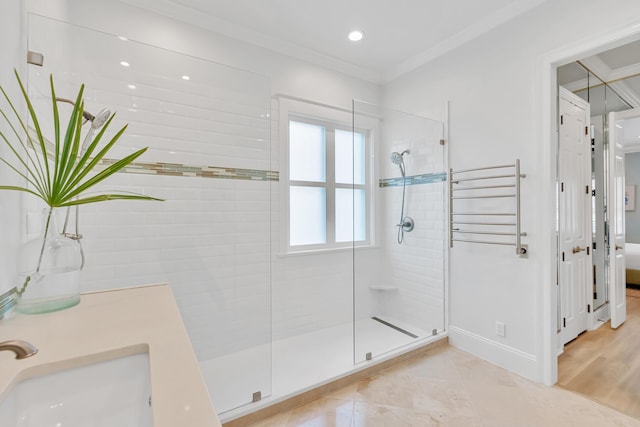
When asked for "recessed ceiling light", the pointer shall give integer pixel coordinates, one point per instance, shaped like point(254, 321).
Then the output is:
point(355, 35)
point(131, 86)
point(124, 63)
point(185, 77)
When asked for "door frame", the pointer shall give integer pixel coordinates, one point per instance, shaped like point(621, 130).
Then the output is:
point(546, 113)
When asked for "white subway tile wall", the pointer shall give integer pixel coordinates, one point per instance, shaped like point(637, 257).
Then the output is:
point(210, 239)
point(415, 267)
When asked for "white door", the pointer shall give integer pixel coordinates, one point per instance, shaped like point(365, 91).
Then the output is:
point(574, 209)
point(615, 207)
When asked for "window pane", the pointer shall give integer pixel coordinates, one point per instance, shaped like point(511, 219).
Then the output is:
point(348, 223)
point(307, 216)
point(306, 152)
point(350, 146)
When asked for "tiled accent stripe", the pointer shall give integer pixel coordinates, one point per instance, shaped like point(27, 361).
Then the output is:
point(176, 169)
point(426, 178)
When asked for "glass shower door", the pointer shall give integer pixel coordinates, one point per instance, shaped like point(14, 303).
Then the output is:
point(399, 267)
point(207, 127)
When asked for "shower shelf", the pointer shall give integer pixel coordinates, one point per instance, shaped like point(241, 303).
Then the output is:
point(487, 222)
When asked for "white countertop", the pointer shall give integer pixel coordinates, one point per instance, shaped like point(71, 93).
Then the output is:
point(113, 324)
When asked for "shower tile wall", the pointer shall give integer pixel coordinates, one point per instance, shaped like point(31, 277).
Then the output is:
point(210, 239)
point(416, 265)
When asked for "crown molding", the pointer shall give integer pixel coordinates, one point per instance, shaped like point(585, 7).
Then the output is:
point(602, 70)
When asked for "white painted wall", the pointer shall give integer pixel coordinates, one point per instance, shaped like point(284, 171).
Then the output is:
point(632, 177)
point(493, 84)
point(11, 56)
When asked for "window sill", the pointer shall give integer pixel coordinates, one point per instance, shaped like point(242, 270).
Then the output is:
point(325, 251)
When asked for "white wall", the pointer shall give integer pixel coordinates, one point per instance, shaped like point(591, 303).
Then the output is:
point(12, 55)
point(493, 84)
point(632, 177)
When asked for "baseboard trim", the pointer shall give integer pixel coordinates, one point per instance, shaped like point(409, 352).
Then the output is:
point(507, 357)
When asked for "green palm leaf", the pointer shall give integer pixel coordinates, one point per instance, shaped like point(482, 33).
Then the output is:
point(61, 175)
point(36, 124)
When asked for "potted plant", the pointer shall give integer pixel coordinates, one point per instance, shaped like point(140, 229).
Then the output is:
point(59, 173)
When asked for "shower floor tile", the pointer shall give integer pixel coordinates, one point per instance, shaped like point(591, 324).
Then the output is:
point(298, 363)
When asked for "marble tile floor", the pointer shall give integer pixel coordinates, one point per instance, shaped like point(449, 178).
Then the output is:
point(448, 387)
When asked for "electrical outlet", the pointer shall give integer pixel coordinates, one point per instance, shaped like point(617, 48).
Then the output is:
point(500, 329)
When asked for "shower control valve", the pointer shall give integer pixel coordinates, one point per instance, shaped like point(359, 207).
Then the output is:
point(407, 224)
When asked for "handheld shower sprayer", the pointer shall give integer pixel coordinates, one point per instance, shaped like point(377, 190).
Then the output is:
point(97, 122)
point(100, 118)
point(398, 159)
point(406, 223)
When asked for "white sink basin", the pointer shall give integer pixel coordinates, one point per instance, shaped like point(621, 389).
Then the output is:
point(112, 393)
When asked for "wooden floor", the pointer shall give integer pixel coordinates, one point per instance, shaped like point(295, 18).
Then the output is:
point(604, 364)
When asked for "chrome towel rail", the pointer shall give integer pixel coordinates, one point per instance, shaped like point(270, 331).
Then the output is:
point(506, 186)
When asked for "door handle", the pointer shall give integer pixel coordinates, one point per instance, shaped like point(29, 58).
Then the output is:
point(619, 247)
point(578, 249)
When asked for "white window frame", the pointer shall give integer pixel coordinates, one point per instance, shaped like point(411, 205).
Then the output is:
point(331, 119)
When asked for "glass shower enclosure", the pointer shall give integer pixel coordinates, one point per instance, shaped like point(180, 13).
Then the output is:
point(399, 284)
point(207, 127)
point(268, 316)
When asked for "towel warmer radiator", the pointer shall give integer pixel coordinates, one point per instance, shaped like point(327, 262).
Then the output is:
point(487, 225)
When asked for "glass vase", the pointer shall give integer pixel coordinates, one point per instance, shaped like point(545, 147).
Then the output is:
point(48, 270)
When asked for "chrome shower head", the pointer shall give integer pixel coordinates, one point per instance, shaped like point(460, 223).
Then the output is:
point(100, 119)
point(398, 158)
point(97, 122)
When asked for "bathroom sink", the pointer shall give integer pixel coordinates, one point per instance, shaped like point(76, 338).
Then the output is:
point(111, 393)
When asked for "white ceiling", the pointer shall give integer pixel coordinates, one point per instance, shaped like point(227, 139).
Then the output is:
point(400, 35)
